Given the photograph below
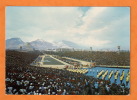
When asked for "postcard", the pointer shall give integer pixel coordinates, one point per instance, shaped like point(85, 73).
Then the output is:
point(67, 50)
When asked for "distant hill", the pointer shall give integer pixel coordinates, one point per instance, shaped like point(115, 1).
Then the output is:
point(71, 44)
point(42, 45)
point(16, 43)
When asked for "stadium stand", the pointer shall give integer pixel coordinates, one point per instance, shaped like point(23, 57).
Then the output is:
point(100, 57)
point(23, 79)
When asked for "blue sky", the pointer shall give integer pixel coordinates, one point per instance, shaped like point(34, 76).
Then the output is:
point(98, 27)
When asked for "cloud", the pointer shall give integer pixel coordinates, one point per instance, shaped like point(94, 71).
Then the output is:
point(99, 27)
point(106, 27)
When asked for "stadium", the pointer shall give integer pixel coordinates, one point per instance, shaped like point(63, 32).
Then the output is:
point(67, 73)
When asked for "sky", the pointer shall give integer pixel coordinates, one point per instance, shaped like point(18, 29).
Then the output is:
point(96, 27)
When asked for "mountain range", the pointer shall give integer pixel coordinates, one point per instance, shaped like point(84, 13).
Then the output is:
point(39, 44)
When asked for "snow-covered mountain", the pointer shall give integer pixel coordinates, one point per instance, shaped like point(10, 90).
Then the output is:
point(61, 44)
point(42, 45)
point(15, 43)
point(66, 44)
point(71, 44)
point(28, 47)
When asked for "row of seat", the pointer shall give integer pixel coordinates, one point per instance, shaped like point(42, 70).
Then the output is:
point(100, 73)
point(128, 77)
point(110, 75)
point(116, 75)
point(104, 73)
point(82, 71)
point(122, 75)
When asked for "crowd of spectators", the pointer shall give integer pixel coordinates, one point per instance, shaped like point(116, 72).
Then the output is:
point(16, 58)
point(69, 61)
point(100, 57)
point(23, 79)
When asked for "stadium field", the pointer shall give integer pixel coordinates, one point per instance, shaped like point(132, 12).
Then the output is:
point(51, 61)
